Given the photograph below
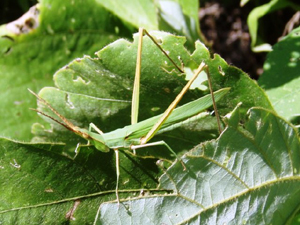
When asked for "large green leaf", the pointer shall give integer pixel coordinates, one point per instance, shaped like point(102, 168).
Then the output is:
point(247, 176)
point(281, 77)
point(35, 46)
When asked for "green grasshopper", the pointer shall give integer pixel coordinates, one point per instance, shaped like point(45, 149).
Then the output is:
point(138, 134)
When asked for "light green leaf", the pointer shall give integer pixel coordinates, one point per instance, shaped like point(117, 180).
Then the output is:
point(281, 77)
point(39, 43)
point(246, 176)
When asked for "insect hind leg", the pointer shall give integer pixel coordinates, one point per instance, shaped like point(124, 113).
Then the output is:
point(134, 147)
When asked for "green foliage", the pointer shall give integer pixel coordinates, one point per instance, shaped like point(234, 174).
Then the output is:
point(257, 43)
point(247, 175)
point(281, 77)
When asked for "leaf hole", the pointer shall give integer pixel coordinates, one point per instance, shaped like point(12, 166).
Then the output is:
point(221, 71)
point(15, 164)
point(69, 102)
point(30, 23)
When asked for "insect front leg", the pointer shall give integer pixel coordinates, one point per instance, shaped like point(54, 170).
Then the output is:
point(79, 145)
point(93, 126)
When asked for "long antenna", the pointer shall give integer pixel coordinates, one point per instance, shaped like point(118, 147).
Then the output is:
point(50, 117)
point(67, 123)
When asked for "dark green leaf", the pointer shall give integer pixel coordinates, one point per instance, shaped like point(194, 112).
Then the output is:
point(39, 185)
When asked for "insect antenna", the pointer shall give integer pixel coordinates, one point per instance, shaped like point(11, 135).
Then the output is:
point(50, 117)
point(67, 124)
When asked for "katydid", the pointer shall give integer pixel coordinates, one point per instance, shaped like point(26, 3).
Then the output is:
point(138, 134)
